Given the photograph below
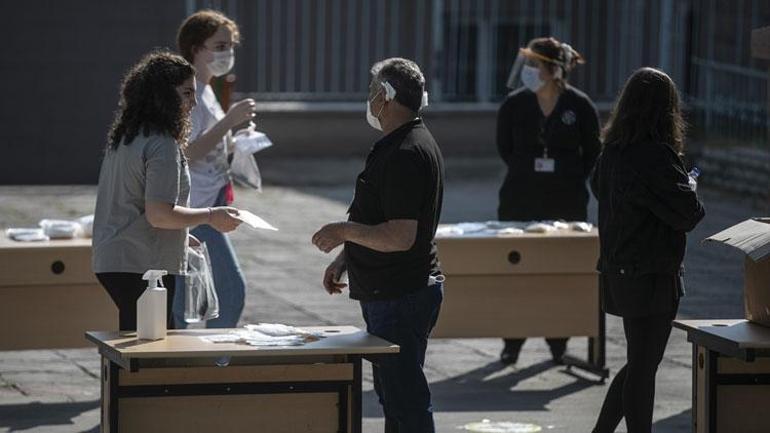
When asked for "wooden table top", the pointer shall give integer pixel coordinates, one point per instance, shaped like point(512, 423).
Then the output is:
point(7, 243)
point(490, 235)
point(339, 340)
point(738, 332)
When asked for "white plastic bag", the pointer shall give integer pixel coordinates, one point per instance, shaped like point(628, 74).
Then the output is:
point(87, 224)
point(201, 301)
point(61, 229)
point(244, 170)
point(249, 140)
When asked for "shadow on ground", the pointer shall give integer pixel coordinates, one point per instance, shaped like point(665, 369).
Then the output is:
point(16, 417)
point(675, 423)
point(491, 388)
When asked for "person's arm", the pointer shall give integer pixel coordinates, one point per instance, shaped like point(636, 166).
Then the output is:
point(163, 162)
point(172, 217)
point(207, 141)
point(589, 138)
point(204, 142)
point(402, 195)
point(665, 190)
point(504, 133)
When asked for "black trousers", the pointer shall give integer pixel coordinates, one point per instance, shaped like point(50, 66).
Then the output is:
point(125, 289)
point(632, 392)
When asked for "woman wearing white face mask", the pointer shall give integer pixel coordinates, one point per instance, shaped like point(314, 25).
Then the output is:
point(207, 39)
point(548, 137)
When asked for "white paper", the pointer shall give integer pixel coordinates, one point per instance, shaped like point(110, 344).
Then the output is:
point(254, 221)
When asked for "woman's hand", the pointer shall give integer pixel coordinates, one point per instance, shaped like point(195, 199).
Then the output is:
point(240, 112)
point(224, 219)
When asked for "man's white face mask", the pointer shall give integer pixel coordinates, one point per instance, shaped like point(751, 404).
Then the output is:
point(390, 94)
point(223, 62)
point(371, 119)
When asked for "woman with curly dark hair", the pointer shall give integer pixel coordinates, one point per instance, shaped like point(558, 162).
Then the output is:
point(142, 214)
point(647, 204)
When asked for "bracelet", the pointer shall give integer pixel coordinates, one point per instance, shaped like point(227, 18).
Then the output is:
point(209, 209)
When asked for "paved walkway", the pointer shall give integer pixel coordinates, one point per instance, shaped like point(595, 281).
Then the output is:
point(58, 390)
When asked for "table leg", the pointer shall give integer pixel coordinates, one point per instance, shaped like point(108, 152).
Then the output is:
point(710, 390)
point(597, 352)
point(110, 397)
point(356, 396)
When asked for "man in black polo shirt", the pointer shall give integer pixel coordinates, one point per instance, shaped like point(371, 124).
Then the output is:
point(389, 249)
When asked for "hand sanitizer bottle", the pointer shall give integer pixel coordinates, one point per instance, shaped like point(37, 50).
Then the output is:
point(151, 308)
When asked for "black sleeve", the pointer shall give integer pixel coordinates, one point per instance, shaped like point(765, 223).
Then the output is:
point(504, 133)
point(664, 189)
point(403, 186)
point(589, 137)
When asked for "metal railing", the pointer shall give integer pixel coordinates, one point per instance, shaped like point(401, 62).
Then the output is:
point(321, 50)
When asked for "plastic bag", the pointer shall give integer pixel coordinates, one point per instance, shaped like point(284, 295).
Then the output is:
point(244, 170)
point(249, 140)
point(87, 224)
point(61, 229)
point(201, 301)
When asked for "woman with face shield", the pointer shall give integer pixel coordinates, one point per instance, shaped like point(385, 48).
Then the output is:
point(207, 39)
point(548, 137)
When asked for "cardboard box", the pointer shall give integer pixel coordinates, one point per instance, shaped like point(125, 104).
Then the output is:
point(753, 238)
point(519, 285)
point(49, 296)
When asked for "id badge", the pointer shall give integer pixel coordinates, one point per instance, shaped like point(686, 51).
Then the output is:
point(545, 165)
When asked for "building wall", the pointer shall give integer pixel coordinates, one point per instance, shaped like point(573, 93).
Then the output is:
point(63, 62)
point(61, 68)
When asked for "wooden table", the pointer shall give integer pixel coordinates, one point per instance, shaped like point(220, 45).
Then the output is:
point(49, 295)
point(524, 285)
point(731, 375)
point(174, 385)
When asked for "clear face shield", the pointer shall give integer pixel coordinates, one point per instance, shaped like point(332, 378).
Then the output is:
point(526, 70)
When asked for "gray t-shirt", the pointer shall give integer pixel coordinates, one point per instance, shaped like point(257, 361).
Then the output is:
point(150, 168)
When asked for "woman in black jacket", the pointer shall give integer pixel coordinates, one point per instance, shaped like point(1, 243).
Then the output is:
point(548, 137)
point(647, 202)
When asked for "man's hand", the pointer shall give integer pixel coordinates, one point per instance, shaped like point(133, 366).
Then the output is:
point(330, 236)
point(333, 274)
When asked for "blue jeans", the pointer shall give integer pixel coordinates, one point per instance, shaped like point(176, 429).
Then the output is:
point(228, 278)
point(399, 380)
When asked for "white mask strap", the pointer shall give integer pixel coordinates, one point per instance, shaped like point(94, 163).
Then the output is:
point(424, 102)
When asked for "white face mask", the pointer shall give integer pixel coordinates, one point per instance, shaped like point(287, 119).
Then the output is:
point(530, 76)
point(373, 121)
point(223, 62)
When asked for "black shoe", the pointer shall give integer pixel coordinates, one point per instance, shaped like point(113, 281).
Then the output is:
point(558, 349)
point(508, 357)
point(511, 350)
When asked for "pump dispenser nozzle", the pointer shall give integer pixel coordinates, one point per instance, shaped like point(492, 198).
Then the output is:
point(154, 278)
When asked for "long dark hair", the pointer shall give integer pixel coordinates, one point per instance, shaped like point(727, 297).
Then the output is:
point(648, 109)
point(149, 102)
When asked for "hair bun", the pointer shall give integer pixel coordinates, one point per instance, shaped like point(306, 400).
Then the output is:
point(571, 57)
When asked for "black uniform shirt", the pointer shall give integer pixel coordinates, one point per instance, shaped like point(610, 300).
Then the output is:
point(403, 179)
point(570, 135)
